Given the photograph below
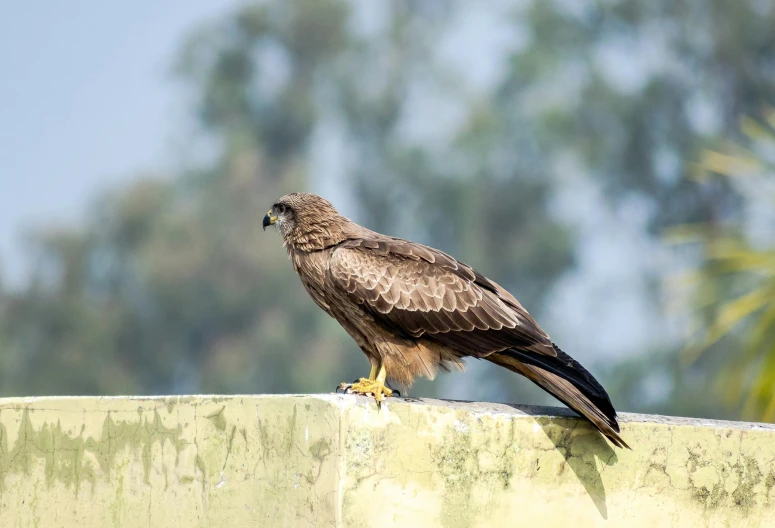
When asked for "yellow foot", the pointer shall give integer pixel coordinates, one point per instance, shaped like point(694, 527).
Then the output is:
point(368, 387)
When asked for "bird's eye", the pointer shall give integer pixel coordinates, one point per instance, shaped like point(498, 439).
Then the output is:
point(280, 208)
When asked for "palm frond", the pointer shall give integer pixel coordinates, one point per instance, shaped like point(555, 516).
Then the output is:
point(731, 290)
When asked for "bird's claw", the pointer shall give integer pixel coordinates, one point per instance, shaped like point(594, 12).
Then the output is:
point(345, 387)
point(367, 387)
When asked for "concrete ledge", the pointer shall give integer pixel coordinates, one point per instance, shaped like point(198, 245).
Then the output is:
point(335, 460)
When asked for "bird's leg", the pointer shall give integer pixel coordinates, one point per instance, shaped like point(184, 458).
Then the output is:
point(374, 385)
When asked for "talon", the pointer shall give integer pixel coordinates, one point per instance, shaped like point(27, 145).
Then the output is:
point(371, 386)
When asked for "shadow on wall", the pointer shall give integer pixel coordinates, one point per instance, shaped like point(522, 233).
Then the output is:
point(584, 449)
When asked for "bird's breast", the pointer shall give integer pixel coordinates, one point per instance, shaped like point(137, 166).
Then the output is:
point(311, 268)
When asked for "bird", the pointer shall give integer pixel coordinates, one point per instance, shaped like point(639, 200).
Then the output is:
point(415, 310)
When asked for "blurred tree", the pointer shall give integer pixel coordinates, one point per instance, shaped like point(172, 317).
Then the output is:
point(635, 88)
point(732, 291)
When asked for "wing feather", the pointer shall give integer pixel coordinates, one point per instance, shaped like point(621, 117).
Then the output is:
point(420, 291)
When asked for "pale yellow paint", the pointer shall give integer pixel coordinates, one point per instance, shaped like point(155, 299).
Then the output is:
point(336, 460)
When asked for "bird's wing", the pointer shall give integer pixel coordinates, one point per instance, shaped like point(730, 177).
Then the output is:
point(415, 290)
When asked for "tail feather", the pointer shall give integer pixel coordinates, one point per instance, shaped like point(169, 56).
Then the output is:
point(565, 379)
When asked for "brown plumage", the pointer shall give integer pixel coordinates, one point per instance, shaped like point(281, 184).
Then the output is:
point(415, 310)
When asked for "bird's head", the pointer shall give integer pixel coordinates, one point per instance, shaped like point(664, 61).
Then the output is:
point(306, 221)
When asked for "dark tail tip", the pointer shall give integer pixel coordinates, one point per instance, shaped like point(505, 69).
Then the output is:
point(569, 369)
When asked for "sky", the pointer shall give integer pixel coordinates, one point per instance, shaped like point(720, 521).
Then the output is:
point(86, 101)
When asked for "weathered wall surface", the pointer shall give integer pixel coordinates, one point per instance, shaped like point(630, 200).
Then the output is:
point(334, 460)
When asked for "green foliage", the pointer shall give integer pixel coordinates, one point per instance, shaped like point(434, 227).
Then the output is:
point(732, 291)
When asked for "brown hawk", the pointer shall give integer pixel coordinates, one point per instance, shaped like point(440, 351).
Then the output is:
point(415, 310)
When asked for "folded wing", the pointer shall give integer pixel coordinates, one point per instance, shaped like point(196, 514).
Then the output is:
point(419, 291)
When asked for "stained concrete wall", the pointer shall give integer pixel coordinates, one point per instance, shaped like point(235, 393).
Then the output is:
point(334, 460)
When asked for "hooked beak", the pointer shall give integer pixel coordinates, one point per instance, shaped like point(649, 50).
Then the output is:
point(268, 220)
